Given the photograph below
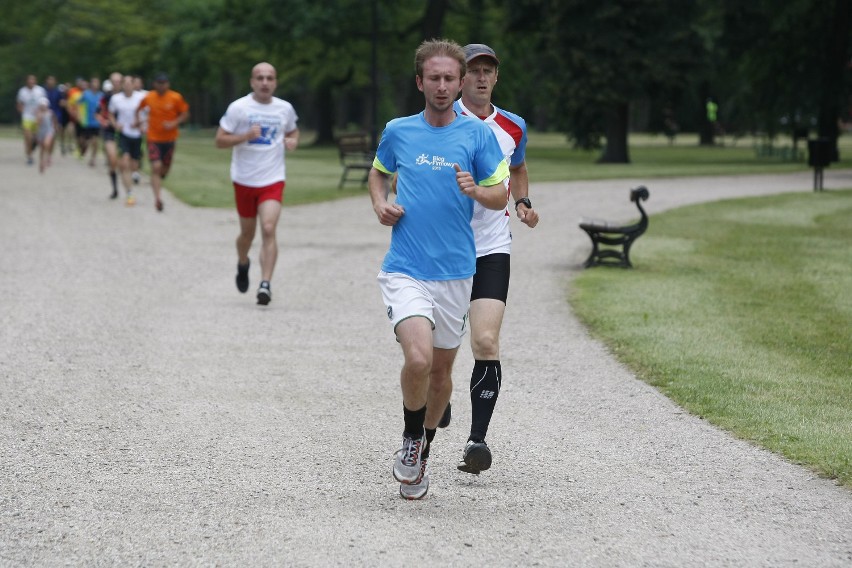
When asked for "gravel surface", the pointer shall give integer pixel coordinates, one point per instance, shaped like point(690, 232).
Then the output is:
point(152, 415)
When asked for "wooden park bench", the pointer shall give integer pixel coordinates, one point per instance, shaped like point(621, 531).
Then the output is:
point(615, 235)
point(356, 153)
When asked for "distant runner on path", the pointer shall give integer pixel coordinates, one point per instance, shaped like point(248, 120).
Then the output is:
point(261, 129)
point(167, 111)
point(27, 102)
point(122, 113)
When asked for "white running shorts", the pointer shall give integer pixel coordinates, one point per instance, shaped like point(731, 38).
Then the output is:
point(445, 303)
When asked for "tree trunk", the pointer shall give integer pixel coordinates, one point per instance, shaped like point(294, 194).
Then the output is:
point(834, 67)
point(431, 27)
point(616, 150)
point(229, 86)
point(433, 19)
point(325, 114)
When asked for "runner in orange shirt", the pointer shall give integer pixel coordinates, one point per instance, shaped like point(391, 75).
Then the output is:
point(166, 112)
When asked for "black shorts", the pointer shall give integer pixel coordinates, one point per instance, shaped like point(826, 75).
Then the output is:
point(492, 277)
point(108, 134)
point(89, 133)
point(161, 152)
point(62, 118)
point(128, 145)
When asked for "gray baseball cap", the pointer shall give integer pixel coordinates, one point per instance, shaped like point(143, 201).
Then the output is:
point(473, 50)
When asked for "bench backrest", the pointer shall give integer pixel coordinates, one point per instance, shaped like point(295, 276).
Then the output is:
point(355, 146)
point(637, 196)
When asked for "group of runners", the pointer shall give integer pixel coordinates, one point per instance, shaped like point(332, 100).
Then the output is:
point(457, 170)
point(118, 112)
point(446, 180)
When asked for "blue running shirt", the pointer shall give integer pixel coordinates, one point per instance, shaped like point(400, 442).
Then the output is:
point(433, 240)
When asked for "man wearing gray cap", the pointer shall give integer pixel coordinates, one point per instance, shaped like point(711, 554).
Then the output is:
point(493, 243)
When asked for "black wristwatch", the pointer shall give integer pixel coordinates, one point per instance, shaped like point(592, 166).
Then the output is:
point(525, 200)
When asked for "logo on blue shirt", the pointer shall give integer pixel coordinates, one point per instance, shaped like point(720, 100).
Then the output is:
point(437, 162)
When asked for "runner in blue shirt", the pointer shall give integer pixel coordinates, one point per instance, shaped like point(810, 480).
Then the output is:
point(88, 105)
point(443, 163)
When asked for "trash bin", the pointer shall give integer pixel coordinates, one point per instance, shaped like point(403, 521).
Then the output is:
point(819, 157)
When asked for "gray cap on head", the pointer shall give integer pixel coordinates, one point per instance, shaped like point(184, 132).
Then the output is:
point(474, 50)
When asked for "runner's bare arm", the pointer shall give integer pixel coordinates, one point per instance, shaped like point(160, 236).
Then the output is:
point(489, 196)
point(172, 124)
point(291, 140)
point(225, 139)
point(519, 185)
point(387, 213)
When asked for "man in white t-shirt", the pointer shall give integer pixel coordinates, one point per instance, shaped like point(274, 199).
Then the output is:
point(27, 102)
point(260, 128)
point(122, 114)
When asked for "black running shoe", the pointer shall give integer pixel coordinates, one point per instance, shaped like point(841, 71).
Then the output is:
point(476, 457)
point(448, 415)
point(242, 276)
point(264, 294)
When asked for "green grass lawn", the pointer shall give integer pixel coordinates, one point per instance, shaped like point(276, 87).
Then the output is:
point(741, 311)
point(200, 174)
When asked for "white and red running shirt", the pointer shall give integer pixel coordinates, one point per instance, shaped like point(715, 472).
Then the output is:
point(491, 228)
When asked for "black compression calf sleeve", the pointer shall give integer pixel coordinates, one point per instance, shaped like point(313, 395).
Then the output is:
point(484, 389)
point(430, 435)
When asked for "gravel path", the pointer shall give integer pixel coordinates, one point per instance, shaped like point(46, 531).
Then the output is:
point(151, 415)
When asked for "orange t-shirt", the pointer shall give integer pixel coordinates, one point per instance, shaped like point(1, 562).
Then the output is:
point(163, 108)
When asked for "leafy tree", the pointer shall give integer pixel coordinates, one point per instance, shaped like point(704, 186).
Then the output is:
point(23, 28)
point(600, 56)
point(793, 70)
point(95, 37)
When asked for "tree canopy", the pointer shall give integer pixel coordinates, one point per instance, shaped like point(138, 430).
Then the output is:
point(594, 71)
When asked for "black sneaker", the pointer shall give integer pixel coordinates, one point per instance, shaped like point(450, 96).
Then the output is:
point(242, 276)
point(448, 415)
point(476, 457)
point(264, 294)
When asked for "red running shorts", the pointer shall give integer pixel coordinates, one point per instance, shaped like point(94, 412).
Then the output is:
point(248, 198)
